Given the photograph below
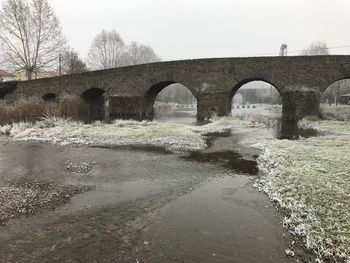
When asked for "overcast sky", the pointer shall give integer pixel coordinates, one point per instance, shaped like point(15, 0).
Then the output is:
point(184, 29)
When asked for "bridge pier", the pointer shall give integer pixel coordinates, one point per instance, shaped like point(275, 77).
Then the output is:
point(296, 105)
point(308, 103)
point(213, 104)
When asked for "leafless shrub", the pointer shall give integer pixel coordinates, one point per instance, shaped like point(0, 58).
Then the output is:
point(71, 106)
point(257, 120)
point(332, 112)
point(31, 109)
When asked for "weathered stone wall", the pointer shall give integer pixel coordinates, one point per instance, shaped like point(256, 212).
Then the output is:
point(127, 108)
point(213, 82)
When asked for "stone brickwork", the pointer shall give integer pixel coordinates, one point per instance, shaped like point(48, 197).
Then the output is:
point(132, 90)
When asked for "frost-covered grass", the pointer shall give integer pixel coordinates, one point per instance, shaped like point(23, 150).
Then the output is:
point(170, 136)
point(332, 126)
point(173, 137)
point(255, 120)
point(310, 180)
point(332, 112)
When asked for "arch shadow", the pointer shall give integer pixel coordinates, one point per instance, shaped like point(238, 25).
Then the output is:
point(49, 97)
point(95, 103)
point(92, 94)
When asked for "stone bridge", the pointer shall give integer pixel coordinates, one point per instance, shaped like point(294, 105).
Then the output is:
point(132, 90)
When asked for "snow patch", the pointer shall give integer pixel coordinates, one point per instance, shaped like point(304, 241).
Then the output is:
point(173, 137)
point(309, 179)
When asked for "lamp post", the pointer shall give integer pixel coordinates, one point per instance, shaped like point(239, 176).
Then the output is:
point(60, 64)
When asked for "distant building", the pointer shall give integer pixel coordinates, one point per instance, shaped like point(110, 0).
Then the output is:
point(345, 99)
point(253, 95)
point(22, 75)
point(6, 76)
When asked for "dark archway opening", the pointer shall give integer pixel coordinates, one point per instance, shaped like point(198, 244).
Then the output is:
point(49, 97)
point(335, 101)
point(172, 102)
point(95, 104)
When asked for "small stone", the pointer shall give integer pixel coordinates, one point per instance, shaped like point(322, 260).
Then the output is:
point(290, 253)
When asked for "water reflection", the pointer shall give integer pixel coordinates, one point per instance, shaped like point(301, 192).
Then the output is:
point(231, 160)
point(186, 114)
point(181, 115)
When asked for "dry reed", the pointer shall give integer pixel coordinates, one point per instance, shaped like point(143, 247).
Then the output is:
point(32, 108)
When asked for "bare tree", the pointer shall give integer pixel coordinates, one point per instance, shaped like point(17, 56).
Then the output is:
point(71, 62)
point(139, 54)
point(334, 91)
point(30, 35)
point(106, 50)
point(316, 49)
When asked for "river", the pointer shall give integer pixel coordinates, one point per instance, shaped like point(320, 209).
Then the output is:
point(147, 205)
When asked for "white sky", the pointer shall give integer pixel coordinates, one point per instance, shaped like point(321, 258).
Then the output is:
point(184, 29)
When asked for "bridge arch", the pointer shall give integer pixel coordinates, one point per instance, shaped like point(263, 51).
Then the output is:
point(49, 97)
point(334, 74)
point(258, 100)
point(156, 89)
point(95, 103)
point(240, 84)
point(335, 100)
point(256, 97)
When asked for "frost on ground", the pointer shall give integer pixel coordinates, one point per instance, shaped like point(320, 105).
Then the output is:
point(331, 126)
point(169, 136)
point(26, 198)
point(173, 137)
point(335, 112)
point(310, 181)
point(245, 119)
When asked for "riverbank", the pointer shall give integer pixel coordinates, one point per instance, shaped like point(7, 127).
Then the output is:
point(28, 197)
point(309, 180)
point(173, 137)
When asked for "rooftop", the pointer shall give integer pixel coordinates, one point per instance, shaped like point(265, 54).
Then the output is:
point(5, 74)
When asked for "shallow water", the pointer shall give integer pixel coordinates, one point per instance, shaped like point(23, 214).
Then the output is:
point(179, 115)
point(224, 220)
point(147, 205)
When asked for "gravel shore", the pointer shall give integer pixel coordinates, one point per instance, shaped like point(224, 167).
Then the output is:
point(29, 197)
